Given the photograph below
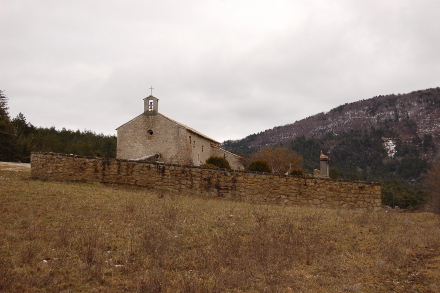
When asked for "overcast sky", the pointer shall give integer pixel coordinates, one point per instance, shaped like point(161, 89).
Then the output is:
point(227, 68)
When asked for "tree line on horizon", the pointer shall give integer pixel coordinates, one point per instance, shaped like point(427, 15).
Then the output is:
point(18, 138)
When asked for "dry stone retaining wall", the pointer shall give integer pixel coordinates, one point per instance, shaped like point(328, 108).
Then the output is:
point(237, 185)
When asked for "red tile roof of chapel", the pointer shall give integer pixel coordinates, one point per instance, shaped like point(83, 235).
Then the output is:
point(189, 128)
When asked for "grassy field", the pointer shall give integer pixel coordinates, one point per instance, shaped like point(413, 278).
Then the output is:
point(91, 237)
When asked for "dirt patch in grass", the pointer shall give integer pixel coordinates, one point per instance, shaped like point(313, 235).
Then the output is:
point(90, 237)
point(17, 167)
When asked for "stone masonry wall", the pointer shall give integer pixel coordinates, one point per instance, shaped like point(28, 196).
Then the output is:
point(237, 185)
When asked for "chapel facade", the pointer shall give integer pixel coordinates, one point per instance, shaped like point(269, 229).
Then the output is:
point(153, 137)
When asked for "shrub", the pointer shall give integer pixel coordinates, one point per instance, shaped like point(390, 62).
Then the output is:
point(219, 162)
point(433, 184)
point(297, 172)
point(259, 166)
point(209, 166)
point(334, 173)
point(402, 195)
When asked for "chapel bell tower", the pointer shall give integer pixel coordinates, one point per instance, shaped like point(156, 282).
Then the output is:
point(151, 104)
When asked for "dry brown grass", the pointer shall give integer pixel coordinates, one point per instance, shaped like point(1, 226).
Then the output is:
point(81, 237)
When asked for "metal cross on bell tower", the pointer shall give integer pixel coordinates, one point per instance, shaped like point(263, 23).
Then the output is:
point(151, 89)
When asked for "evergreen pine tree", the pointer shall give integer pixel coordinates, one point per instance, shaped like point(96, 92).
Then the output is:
point(23, 132)
point(7, 137)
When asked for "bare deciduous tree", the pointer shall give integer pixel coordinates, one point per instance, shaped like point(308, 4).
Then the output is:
point(282, 160)
point(433, 180)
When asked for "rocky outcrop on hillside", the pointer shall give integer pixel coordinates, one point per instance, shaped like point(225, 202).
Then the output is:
point(409, 117)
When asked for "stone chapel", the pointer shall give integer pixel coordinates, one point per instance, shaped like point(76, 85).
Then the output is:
point(153, 137)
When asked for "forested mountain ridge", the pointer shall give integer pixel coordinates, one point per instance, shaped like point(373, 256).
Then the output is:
point(412, 118)
point(391, 139)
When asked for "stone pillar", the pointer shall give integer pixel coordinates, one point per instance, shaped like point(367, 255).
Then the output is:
point(324, 165)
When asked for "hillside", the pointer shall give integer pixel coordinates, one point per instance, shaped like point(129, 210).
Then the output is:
point(368, 139)
point(409, 117)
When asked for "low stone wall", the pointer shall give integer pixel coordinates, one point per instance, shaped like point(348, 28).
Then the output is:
point(237, 185)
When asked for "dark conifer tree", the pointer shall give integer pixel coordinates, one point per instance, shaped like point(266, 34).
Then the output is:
point(7, 137)
point(24, 133)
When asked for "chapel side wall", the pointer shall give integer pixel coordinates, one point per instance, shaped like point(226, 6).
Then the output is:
point(236, 185)
point(199, 148)
point(233, 160)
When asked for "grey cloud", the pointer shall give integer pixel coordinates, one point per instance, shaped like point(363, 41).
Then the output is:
point(226, 68)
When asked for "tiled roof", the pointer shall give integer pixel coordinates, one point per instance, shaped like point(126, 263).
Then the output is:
point(223, 150)
point(189, 128)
